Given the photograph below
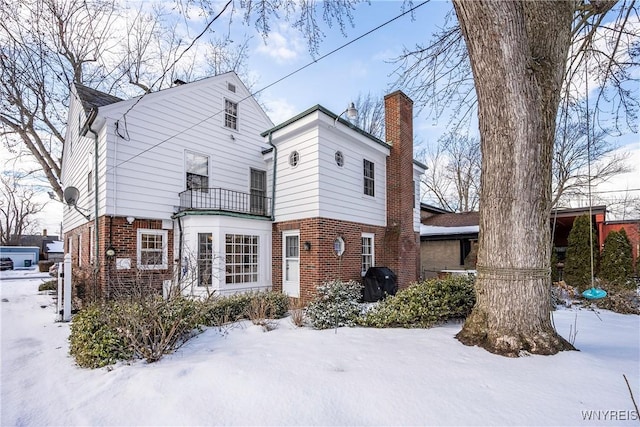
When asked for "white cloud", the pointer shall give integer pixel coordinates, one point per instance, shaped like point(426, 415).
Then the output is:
point(280, 110)
point(283, 45)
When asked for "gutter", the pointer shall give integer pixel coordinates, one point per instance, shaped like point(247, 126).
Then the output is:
point(96, 245)
point(273, 181)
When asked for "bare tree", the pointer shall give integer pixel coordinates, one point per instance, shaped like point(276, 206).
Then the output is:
point(453, 176)
point(518, 53)
point(18, 208)
point(581, 160)
point(370, 114)
point(46, 45)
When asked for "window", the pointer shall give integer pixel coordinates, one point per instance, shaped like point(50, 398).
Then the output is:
point(231, 87)
point(241, 258)
point(369, 178)
point(230, 114)
point(258, 191)
point(368, 259)
point(90, 182)
point(339, 158)
point(197, 166)
point(205, 259)
point(152, 249)
point(294, 158)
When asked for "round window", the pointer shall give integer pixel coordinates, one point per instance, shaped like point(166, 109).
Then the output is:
point(294, 158)
point(338, 246)
point(339, 158)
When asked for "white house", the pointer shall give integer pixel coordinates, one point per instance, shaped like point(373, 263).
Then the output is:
point(195, 186)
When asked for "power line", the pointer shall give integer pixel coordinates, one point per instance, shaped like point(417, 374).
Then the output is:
point(251, 95)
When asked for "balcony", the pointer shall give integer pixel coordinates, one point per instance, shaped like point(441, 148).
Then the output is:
point(222, 200)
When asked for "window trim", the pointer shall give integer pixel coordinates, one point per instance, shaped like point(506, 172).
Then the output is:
point(372, 237)
point(186, 172)
point(230, 114)
point(251, 274)
point(202, 258)
point(369, 179)
point(165, 257)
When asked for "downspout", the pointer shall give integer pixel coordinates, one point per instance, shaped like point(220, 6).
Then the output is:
point(96, 245)
point(273, 181)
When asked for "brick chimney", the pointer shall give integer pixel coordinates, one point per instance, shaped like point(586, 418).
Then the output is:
point(401, 241)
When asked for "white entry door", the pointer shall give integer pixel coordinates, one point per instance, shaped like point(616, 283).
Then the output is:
point(291, 263)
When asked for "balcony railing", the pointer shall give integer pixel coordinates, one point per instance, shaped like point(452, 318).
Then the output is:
point(220, 199)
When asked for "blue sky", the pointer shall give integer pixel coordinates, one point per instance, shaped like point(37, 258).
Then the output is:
point(359, 68)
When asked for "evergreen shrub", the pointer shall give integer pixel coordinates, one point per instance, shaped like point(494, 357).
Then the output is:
point(577, 265)
point(424, 304)
point(336, 304)
point(617, 260)
point(95, 340)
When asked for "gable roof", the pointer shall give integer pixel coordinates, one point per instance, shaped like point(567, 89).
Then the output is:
point(92, 98)
point(334, 116)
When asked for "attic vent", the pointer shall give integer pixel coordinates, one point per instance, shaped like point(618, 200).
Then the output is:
point(231, 87)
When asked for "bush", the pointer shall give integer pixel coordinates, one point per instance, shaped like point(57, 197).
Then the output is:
point(43, 266)
point(148, 326)
point(95, 340)
point(577, 265)
point(424, 304)
point(336, 304)
point(49, 285)
point(617, 260)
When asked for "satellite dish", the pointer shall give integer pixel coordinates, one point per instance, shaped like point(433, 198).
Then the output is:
point(71, 195)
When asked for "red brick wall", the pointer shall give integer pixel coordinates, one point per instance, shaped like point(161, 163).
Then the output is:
point(401, 242)
point(320, 263)
point(116, 232)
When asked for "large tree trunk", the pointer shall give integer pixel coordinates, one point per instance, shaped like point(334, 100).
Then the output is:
point(518, 53)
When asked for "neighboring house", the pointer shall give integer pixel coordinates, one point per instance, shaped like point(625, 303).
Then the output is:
point(22, 256)
point(448, 240)
point(194, 185)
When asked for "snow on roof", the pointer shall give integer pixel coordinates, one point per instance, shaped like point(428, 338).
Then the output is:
point(55, 246)
point(434, 230)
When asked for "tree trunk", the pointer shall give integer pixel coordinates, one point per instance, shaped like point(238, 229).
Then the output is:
point(518, 55)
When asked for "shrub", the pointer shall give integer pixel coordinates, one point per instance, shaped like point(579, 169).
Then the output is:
point(95, 340)
point(221, 310)
point(617, 260)
point(49, 285)
point(336, 304)
point(43, 266)
point(154, 326)
point(577, 265)
point(424, 304)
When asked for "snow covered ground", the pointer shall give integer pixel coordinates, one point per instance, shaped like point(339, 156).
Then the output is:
point(293, 376)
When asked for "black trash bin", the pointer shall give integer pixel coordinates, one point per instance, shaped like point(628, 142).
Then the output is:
point(378, 283)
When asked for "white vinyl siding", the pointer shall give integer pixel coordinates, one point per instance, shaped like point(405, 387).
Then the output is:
point(147, 176)
point(318, 187)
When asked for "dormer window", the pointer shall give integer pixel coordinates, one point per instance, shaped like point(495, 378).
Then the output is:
point(231, 114)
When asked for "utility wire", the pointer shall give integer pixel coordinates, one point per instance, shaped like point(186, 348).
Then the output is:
point(251, 95)
point(193, 42)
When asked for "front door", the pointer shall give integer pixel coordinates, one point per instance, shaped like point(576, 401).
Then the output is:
point(291, 263)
